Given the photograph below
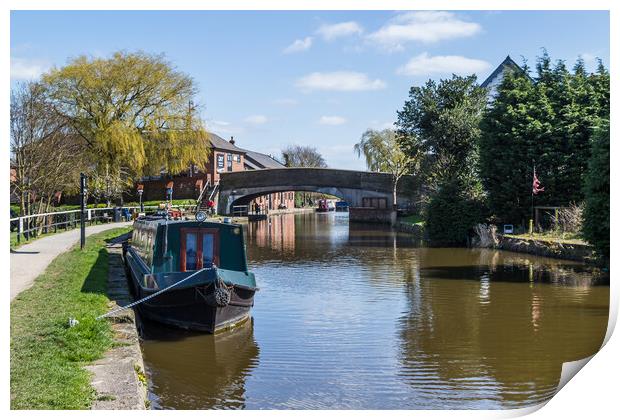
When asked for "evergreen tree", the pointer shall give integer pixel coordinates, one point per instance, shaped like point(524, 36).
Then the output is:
point(547, 124)
point(596, 212)
point(514, 131)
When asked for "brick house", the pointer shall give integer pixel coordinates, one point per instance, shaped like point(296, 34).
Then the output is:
point(226, 156)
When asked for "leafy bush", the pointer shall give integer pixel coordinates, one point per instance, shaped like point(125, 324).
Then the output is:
point(452, 213)
point(596, 212)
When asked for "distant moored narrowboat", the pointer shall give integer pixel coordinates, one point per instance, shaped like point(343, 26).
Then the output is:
point(206, 262)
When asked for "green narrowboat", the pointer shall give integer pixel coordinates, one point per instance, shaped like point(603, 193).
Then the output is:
point(196, 270)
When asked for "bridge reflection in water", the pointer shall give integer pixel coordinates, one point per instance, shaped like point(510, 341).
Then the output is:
point(352, 317)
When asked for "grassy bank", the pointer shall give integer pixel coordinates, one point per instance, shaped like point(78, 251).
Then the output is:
point(413, 219)
point(47, 357)
point(567, 238)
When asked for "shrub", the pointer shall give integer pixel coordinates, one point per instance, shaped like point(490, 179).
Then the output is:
point(452, 214)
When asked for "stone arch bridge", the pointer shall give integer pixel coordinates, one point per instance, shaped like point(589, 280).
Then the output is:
point(239, 188)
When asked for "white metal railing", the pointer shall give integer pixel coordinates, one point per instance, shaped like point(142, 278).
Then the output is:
point(42, 223)
point(215, 187)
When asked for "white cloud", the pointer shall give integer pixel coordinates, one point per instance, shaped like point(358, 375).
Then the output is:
point(299, 45)
point(256, 119)
point(339, 81)
point(337, 30)
point(424, 64)
point(424, 26)
point(27, 69)
point(222, 127)
point(332, 120)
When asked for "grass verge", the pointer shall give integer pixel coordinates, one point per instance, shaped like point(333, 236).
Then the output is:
point(551, 237)
point(47, 357)
point(413, 219)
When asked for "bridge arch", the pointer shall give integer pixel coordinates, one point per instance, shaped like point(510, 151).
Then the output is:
point(352, 186)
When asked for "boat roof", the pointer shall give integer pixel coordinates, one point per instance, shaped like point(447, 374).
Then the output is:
point(158, 220)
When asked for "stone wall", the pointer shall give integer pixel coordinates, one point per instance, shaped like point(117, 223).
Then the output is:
point(372, 215)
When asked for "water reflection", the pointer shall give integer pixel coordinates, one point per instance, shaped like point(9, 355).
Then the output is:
point(495, 334)
point(363, 317)
point(198, 371)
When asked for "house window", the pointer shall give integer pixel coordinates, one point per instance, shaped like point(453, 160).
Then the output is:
point(238, 157)
point(199, 248)
point(220, 160)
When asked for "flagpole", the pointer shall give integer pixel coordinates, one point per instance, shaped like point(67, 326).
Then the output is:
point(532, 214)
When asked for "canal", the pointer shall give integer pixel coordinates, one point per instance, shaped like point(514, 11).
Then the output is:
point(367, 318)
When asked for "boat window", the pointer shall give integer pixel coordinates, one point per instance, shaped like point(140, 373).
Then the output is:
point(207, 249)
point(191, 252)
point(199, 248)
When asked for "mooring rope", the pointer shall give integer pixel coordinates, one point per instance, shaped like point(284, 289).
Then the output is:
point(144, 299)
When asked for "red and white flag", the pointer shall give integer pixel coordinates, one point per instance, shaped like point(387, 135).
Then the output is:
point(536, 188)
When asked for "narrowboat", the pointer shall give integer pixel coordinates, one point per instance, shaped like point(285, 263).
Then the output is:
point(322, 207)
point(201, 264)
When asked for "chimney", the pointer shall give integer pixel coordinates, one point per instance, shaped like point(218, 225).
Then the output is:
point(232, 140)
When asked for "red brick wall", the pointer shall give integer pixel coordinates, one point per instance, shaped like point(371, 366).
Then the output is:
point(223, 154)
point(272, 201)
point(184, 188)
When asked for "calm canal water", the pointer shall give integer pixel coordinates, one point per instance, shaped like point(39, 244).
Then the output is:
point(366, 318)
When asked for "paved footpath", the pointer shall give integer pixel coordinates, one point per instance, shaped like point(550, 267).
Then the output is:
point(30, 260)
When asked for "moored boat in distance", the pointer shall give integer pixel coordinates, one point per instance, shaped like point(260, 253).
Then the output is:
point(202, 263)
point(322, 206)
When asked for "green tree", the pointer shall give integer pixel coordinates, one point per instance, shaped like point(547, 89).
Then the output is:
point(596, 212)
point(547, 123)
point(452, 213)
point(441, 122)
point(513, 130)
point(383, 153)
point(133, 110)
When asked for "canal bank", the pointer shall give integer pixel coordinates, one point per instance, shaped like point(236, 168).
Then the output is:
point(547, 248)
point(118, 378)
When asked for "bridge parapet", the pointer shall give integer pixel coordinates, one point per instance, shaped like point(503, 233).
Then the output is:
point(351, 186)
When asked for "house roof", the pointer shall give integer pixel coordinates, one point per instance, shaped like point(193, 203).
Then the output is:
point(253, 160)
point(219, 143)
point(261, 160)
point(508, 63)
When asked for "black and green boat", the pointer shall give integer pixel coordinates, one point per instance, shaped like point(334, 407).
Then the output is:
point(197, 271)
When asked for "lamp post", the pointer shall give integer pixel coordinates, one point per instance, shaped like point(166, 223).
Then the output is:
point(140, 191)
point(82, 210)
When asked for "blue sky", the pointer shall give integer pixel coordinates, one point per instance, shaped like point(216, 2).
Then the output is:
point(313, 78)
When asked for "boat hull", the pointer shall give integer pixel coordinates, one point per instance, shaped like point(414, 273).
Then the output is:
point(190, 309)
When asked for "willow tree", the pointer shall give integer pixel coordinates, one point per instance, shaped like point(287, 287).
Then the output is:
point(383, 153)
point(134, 112)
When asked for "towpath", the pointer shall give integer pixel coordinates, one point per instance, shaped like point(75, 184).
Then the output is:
point(30, 260)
